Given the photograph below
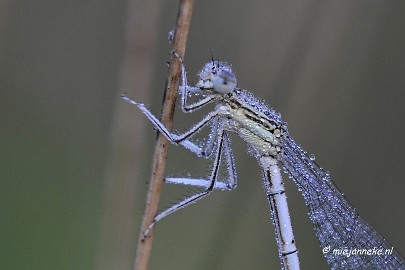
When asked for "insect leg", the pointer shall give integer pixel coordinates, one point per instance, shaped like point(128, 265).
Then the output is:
point(227, 184)
point(181, 139)
point(198, 196)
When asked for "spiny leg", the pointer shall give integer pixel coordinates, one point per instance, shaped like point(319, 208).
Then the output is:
point(227, 184)
point(198, 196)
point(185, 92)
point(186, 89)
point(181, 139)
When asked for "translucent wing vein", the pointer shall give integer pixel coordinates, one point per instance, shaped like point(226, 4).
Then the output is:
point(336, 222)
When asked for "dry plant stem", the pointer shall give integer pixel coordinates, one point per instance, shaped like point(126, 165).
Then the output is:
point(160, 155)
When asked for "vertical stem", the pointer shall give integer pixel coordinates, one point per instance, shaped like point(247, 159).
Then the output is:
point(160, 155)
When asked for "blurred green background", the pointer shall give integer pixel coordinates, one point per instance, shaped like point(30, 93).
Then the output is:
point(75, 160)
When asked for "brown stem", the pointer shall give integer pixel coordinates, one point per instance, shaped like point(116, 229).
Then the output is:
point(160, 155)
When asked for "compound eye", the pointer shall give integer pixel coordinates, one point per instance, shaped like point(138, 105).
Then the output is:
point(224, 82)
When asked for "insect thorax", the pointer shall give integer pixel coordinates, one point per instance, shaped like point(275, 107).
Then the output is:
point(262, 133)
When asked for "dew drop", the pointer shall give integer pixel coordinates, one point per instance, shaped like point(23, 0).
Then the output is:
point(170, 36)
point(312, 157)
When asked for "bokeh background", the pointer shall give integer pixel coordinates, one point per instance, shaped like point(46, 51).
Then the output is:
point(75, 159)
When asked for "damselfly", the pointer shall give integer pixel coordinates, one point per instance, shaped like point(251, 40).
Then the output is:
point(335, 220)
